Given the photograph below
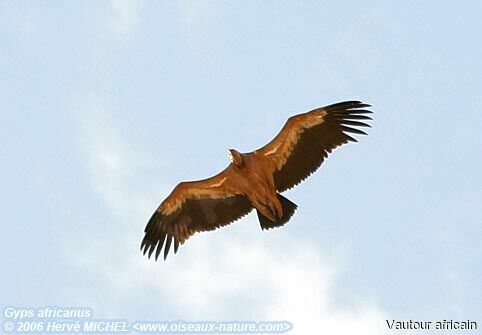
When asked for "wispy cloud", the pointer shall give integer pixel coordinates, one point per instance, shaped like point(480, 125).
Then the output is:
point(125, 16)
point(196, 17)
point(111, 163)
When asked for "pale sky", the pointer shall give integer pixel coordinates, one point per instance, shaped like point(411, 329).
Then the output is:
point(106, 106)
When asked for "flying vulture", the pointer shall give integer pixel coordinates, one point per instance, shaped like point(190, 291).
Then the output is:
point(255, 180)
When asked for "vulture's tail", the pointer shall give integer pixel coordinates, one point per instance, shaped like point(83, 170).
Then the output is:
point(289, 209)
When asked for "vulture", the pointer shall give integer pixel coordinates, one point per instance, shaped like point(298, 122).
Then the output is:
point(255, 180)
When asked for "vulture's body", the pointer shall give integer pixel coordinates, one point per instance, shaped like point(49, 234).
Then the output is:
point(254, 180)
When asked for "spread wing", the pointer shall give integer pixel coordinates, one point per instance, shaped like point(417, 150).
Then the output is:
point(194, 207)
point(306, 140)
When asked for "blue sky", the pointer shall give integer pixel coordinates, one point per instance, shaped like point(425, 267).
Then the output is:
point(108, 105)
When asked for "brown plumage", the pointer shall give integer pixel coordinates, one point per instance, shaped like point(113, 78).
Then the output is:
point(254, 180)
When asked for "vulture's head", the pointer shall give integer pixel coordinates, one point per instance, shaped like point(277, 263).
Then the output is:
point(236, 157)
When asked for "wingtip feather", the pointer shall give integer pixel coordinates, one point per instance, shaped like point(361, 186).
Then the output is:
point(167, 246)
